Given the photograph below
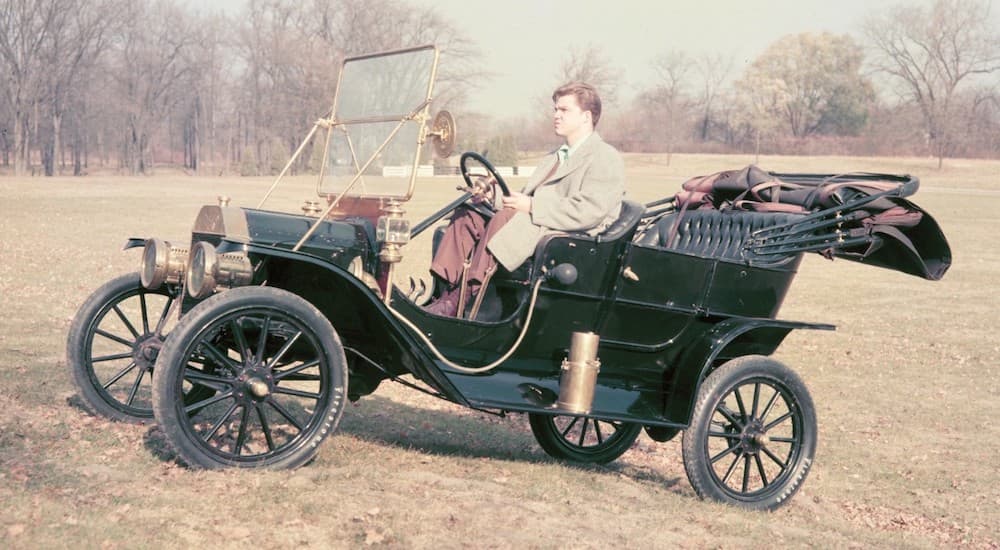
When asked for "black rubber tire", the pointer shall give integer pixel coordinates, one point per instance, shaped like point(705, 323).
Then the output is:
point(582, 439)
point(296, 374)
point(770, 432)
point(119, 388)
point(661, 434)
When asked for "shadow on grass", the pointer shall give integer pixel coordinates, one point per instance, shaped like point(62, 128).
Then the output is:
point(469, 435)
point(156, 443)
point(458, 433)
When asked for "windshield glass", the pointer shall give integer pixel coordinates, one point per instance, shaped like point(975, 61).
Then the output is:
point(379, 113)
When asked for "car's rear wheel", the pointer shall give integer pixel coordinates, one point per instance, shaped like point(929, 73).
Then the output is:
point(582, 439)
point(280, 381)
point(112, 346)
point(752, 436)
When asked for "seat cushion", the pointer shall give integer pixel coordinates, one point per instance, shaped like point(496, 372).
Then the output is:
point(710, 233)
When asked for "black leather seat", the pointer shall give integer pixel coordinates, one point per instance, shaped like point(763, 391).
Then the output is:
point(626, 223)
point(622, 228)
point(710, 233)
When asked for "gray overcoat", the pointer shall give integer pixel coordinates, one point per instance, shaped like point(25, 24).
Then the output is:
point(584, 194)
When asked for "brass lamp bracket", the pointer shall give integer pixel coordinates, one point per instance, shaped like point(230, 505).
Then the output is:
point(442, 132)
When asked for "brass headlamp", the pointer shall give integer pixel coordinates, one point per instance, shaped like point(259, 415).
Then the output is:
point(162, 263)
point(208, 270)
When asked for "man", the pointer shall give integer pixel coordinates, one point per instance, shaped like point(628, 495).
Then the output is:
point(579, 187)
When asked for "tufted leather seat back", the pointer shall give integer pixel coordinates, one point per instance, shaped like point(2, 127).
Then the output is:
point(627, 221)
point(710, 233)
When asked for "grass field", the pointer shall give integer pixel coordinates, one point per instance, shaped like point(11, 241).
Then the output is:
point(907, 394)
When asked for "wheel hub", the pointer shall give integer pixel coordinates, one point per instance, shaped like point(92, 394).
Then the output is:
point(255, 384)
point(753, 438)
point(258, 388)
point(146, 350)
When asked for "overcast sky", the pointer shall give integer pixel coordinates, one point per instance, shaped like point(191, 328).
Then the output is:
point(524, 42)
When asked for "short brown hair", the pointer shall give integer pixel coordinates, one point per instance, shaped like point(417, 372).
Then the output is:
point(586, 98)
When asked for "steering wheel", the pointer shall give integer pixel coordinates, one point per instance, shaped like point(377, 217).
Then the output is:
point(480, 187)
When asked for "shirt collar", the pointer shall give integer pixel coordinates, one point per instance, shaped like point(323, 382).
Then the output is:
point(566, 151)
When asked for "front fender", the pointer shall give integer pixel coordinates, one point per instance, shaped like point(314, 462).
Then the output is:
point(733, 337)
point(134, 242)
point(361, 319)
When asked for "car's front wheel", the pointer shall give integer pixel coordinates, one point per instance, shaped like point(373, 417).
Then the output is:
point(278, 373)
point(752, 436)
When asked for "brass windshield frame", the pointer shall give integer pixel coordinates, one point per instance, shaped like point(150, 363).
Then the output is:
point(421, 115)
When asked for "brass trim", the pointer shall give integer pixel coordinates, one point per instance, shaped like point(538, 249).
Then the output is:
point(578, 376)
point(443, 133)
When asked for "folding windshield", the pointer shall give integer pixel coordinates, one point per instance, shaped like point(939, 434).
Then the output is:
point(379, 113)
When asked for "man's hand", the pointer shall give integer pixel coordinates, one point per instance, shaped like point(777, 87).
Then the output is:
point(518, 201)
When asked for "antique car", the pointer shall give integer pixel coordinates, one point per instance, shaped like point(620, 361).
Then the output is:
point(246, 340)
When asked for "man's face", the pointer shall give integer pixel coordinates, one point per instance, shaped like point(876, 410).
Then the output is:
point(570, 122)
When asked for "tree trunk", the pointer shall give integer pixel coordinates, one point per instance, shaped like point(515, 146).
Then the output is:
point(20, 145)
point(55, 144)
point(756, 152)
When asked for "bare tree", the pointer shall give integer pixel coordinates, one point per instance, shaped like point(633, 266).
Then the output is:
point(713, 70)
point(82, 34)
point(589, 64)
point(671, 70)
point(25, 26)
point(151, 68)
point(930, 52)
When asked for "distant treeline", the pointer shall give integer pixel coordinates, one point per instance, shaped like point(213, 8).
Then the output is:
point(126, 85)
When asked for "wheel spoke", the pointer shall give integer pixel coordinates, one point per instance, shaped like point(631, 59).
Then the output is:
point(724, 411)
point(218, 356)
point(114, 337)
point(756, 399)
point(217, 383)
point(210, 401)
point(570, 426)
point(163, 316)
point(284, 349)
point(739, 402)
point(731, 469)
point(597, 432)
point(281, 410)
point(789, 440)
point(265, 427)
point(583, 431)
point(241, 341)
point(262, 340)
point(135, 387)
point(776, 460)
point(103, 358)
point(125, 321)
point(298, 393)
point(760, 470)
point(746, 472)
point(727, 435)
point(770, 403)
point(719, 456)
point(118, 376)
point(218, 425)
point(278, 375)
point(778, 420)
point(145, 313)
point(241, 437)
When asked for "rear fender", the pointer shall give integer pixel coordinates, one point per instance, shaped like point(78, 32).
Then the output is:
point(734, 337)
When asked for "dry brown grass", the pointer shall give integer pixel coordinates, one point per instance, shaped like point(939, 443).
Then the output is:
point(907, 392)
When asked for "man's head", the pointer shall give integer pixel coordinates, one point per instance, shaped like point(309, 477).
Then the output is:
point(577, 108)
